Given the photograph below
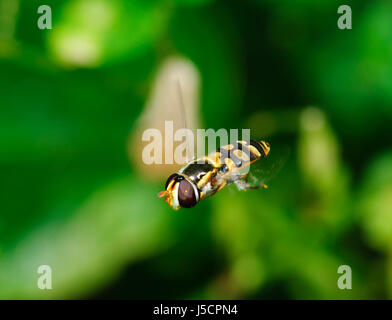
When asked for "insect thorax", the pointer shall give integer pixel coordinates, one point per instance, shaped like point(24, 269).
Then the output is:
point(225, 161)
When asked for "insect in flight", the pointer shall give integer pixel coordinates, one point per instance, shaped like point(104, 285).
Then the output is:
point(202, 178)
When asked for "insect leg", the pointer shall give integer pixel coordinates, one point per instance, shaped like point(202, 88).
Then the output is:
point(244, 185)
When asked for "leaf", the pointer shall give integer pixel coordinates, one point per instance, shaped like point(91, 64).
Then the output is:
point(95, 32)
point(375, 202)
point(118, 224)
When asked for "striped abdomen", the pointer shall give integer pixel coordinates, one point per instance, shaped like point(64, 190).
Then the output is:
point(225, 159)
point(237, 155)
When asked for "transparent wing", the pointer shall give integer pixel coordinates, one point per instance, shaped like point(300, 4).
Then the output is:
point(263, 170)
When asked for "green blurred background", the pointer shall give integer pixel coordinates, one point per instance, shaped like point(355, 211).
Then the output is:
point(73, 198)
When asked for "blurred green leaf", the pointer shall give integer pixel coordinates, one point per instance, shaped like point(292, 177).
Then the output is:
point(252, 225)
point(376, 202)
point(325, 177)
point(116, 224)
point(95, 32)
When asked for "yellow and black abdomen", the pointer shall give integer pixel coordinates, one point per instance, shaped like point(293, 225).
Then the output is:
point(238, 155)
point(228, 158)
point(211, 173)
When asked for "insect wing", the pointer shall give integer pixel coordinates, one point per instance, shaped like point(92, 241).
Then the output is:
point(263, 170)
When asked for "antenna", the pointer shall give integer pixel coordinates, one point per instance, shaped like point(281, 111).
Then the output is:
point(182, 104)
point(183, 114)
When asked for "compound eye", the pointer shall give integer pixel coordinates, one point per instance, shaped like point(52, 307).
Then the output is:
point(186, 194)
point(173, 176)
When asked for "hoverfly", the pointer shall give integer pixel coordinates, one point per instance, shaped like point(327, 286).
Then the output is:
point(202, 178)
